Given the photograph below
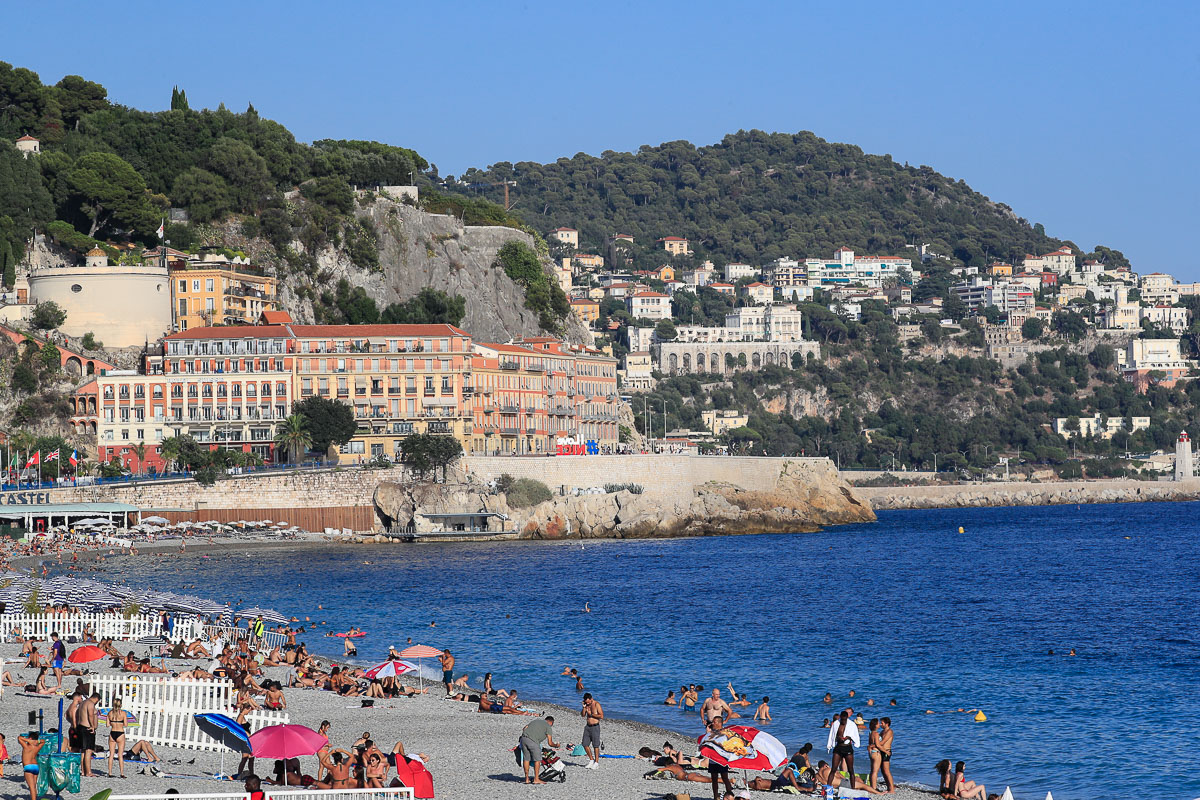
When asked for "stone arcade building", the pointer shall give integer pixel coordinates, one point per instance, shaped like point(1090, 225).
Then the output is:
point(687, 358)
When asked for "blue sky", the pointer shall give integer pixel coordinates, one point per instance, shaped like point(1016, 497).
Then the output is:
point(1079, 115)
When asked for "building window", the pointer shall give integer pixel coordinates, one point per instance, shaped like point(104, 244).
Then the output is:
point(183, 287)
point(196, 285)
point(208, 284)
point(75, 287)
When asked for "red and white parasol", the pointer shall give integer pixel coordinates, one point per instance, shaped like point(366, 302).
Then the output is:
point(389, 669)
point(743, 747)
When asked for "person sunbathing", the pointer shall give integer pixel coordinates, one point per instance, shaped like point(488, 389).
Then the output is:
point(34, 660)
point(9, 680)
point(486, 706)
point(196, 650)
point(511, 707)
point(678, 772)
point(338, 767)
point(275, 699)
point(145, 667)
point(40, 687)
point(130, 664)
point(141, 751)
point(246, 702)
point(107, 646)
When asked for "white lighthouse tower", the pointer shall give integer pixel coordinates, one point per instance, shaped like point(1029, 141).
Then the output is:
point(1183, 457)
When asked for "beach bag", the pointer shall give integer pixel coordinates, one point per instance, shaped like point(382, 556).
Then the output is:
point(578, 750)
point(58, 773)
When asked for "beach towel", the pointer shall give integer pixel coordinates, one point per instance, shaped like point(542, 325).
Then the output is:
point(414, 775)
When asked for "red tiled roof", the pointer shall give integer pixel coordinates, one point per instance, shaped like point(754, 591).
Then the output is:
point(233, 332)
point(649, 294)
point(27, 138)
point(757, 283)
point(276, 317)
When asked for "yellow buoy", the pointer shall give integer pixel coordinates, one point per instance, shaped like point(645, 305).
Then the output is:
point(981, 717)
point(960, 529)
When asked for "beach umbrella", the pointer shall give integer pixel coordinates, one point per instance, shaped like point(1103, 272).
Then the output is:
point(267, 614)
point(286, 741)
point(227, 731)
point(153, 640)
point(130, 720)
point(389, 669)
point(156, 521)
point(420, 651)
point(86, 654)
point(743, 747)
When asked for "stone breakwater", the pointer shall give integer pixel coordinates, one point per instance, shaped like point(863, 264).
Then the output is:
point(886, 498)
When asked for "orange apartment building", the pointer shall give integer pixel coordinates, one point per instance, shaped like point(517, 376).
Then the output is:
point(231, 386)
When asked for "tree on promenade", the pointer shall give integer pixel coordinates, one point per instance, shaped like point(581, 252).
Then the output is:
point(294, 436)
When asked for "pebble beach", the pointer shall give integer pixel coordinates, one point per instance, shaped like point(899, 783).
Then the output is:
point(468, 753)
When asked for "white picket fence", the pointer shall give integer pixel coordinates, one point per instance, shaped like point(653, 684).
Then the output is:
point(102, 626)
point(233, 635)
point(391, 793)
point(178, 728)
point(150, 692)
point(164, 707)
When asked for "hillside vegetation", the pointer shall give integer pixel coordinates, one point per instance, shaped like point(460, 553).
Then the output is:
point(755, 196)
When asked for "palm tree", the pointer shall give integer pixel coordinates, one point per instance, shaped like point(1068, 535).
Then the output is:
point(139, 450)
point(171, 448)
point(293, 436)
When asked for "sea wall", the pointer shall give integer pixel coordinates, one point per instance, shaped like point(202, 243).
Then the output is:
point(1027, 494)
point(683, 495)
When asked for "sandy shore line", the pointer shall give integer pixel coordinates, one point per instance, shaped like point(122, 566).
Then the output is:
point(469, 753)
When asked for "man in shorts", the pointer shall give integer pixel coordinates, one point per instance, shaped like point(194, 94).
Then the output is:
point(87, 718)
point(532, 737)
point(58, 654)
point(447, 662)
point(592, 713)
point(718, 772)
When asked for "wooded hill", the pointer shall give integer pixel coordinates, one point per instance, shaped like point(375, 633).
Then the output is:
point(756, 196)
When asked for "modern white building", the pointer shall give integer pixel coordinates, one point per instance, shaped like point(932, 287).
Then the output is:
point(1103, 427)
point(736, 272)
point(649, 305)
point(847, 268)
point(981, 293)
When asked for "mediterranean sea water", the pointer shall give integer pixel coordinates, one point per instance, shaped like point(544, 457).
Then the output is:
point(905, 608)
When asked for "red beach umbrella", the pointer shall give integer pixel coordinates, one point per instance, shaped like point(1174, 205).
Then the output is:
point(286, 741)
point(743, 747)
point(89, 652)
point(389, 669)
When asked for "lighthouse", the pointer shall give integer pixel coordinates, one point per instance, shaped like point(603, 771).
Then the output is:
point(1183, 457)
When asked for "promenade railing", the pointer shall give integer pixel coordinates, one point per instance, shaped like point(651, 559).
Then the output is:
point(233, 635)
point(389, 793)
point(102, 626)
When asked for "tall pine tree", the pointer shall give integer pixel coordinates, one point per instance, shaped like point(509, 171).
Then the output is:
point(178, 99)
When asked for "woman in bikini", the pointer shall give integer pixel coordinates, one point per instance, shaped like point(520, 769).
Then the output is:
point(874, 754)
point(965, 789)
point(116, 737)
point(376, 771)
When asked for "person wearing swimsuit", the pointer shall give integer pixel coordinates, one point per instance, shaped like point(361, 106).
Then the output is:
point(885, 752)
point(843, 738)
point(30, 746)
point(873, 753)
point(116, 737)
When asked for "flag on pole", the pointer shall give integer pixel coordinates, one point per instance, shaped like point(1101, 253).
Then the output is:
point(162, 228)
point(34, 460)
point(52, 456)
point(74, 459)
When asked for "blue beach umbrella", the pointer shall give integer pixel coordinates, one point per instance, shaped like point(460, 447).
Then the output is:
point(227, 731)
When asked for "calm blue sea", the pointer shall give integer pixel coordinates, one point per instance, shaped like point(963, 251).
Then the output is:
point(905, 608)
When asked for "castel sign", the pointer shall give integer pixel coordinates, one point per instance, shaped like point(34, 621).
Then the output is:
point(572, 446)
point(24, 498)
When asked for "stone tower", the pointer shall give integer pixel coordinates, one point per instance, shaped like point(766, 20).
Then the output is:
point(1183, 457)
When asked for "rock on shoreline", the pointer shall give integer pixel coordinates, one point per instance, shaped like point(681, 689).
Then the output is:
point(802, 499)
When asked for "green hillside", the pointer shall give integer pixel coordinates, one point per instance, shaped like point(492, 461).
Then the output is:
point(756, 196)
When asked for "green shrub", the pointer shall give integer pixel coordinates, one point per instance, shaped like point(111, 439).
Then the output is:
point(526, 492)
point(633, 488)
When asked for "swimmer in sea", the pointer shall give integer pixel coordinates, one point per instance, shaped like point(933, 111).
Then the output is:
point(828, 698)
point(587, 610)
point(670, 701)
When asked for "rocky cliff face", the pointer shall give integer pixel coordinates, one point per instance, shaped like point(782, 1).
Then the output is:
point(416, 250)
point(804, 497)
point(803, 500)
